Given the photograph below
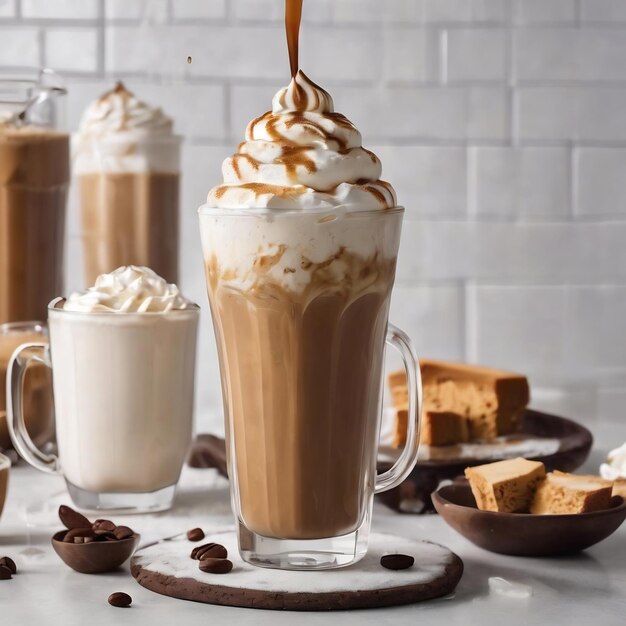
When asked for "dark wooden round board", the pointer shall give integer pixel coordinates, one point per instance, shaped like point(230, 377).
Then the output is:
point(167, 568)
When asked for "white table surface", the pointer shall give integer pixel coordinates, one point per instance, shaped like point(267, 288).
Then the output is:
point(589, 588)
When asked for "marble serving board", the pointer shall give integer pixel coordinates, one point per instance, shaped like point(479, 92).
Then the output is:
point(167, 568)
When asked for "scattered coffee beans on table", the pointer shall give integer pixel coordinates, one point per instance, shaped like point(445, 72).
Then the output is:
point(397, 561)
point(195, 534)
point(209, 550)
point(7, 561)
point(120, 599)
point(215, 566)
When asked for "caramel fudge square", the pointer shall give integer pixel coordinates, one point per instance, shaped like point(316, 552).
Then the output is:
point(505, 486)
point(562, 493)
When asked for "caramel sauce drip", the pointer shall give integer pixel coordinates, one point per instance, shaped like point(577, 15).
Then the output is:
point(293, 16)
point(294, 156)
point(262, 189)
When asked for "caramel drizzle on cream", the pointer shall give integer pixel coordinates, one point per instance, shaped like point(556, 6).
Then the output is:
point(305, 106)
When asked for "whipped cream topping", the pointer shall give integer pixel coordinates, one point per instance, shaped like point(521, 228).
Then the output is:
point(129, 289)
point(615, 466)
point(119, 111)
point(121, 133)
point(302, 154)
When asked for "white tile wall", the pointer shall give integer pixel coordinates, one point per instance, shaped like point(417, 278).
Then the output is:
point(464, 10)
point(199, 9)
point(144, 10)
point(429, 180)
point(544, 11)
point(602, 11)
point(7, 8)
point(475, 54)
point(599, 176)
point(594, 54)
point(20, 45)
point(82, 56)
point(580, 113)
point(502, 124)
point(60, 9)
point(520, 182)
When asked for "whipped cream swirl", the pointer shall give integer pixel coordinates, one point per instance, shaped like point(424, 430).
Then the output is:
point(302, 154)
point(119, 111)
point(615, 466)
point(129, 289)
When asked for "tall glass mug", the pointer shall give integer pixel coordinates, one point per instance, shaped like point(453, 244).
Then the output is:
point(129, 198)
point(123, 397)
point(300, 302)
point(34, 179)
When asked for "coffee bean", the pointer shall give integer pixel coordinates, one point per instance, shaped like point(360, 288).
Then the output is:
point(123, 532)
point(5, 572)
point(209, 550)
point(195, 534)
point(104, 535)
point(104, 524)
point(215, 566)
point(7, 561)
point(397, 561)
point(72, 519)
point(83, 539)
point(120, 599)
point(70, 535)
point(215, 552)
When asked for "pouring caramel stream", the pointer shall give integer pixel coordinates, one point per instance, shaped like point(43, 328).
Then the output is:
point(293, 16)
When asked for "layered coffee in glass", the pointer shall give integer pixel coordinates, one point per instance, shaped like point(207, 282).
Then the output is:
point(300, 246)
point(34, 180)
point(126, 160)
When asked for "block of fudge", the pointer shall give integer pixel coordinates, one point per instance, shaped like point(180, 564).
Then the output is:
point(492, 401)
point(505, 486)
point(437, 428)
point(562, 493)
point(400, 427)
point(619, 488)
point(443, 428)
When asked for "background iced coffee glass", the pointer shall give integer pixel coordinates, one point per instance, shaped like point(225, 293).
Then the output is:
point(34, 179)
point(300, 318)
point(129, 200)
point(38, 412)
point(123, 396)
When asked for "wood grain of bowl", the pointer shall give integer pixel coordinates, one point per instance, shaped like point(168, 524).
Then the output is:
point(524, 534)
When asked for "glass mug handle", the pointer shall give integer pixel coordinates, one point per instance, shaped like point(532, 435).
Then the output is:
point(23, 356)
point(405, 463)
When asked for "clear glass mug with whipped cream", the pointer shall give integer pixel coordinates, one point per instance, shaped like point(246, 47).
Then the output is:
point(126, 161)
point(300, 246)
point(122, 355)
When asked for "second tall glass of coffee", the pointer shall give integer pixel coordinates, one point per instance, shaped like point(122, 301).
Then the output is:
point(127, 166)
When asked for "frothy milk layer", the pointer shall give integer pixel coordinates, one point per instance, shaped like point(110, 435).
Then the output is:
point(302, 155)
point(121, 133)
point(297, 251)
point(129, 289)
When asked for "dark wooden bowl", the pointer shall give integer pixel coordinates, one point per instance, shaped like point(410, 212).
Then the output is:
point(520, 534)
point(96, 557)
point(575, 444)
